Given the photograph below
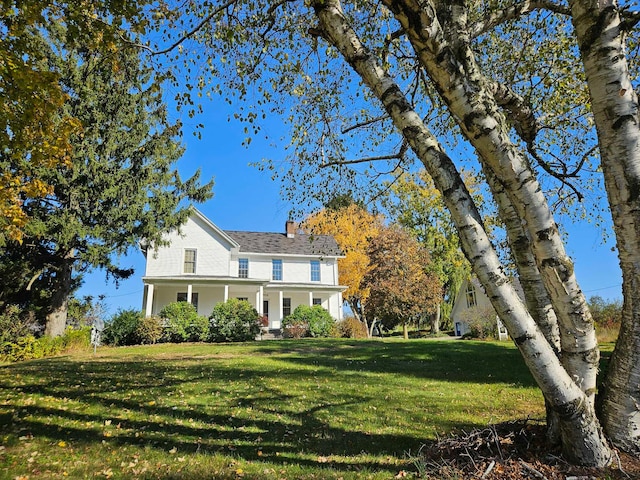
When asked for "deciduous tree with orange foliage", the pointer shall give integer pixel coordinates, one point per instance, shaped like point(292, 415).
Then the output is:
point(402, 287)
point(353, 228)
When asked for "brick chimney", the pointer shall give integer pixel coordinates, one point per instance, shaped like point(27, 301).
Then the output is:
point(290, 228)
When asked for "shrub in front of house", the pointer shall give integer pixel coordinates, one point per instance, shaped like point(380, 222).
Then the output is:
point(121, 328)
point(482, 322)
point(149, 330)
point(234, 321)
point(183, 324)
point(318, 322)
point(13, 327)
point(76, 339)
point(29, 347)
point(351, 327)
point(294, 327)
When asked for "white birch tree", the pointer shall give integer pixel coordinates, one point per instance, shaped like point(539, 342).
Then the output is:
point(601, 31)
point(369, 87)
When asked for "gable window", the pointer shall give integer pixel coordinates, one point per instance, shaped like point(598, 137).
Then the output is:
point(243, 268)
point(182, 297)
point(276, 269)
point(189, 261)
point(286, 307)
point(471, 296)
point(315, 271)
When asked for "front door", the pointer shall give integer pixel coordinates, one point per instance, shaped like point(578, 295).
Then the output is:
point(265, 311)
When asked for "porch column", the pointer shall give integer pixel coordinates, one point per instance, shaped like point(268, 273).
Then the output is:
point(311, 299)
point(280, 311)
point(340, 306)
point(226, 293)
point(149, 306)
point(260, 300)
point(258, 308)
point(189, 293)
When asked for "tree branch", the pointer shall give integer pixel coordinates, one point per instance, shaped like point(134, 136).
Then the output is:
point(366, 123)
point(498, 17)
point(194, 30)
point(630, 19)
point(178, 42)
point(396, 156)
point(519, 108)
point(562, 177)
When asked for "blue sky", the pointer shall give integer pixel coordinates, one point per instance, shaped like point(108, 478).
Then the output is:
point(248, 199)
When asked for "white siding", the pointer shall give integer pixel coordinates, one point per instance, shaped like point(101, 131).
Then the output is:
point(217, 256)
point(460, 306)
point(259, 267)
point(212, 252)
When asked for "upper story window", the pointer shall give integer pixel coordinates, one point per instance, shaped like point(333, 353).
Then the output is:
point(471, 296)
point(315, 271)
point(243, 268)
point(276, 269)
point(189, 261)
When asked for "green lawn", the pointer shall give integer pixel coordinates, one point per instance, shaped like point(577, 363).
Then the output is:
point(277, 409)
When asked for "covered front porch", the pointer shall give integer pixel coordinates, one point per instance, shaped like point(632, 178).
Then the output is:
point(273, 301)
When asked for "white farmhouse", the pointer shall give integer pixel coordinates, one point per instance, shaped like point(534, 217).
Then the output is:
point(275, 272)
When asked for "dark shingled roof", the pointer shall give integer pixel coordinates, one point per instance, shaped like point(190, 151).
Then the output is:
point(279, 244)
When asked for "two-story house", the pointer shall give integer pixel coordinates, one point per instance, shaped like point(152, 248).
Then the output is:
point(275, 272)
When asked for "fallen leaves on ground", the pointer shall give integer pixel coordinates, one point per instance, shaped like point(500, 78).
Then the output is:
point(509, 451)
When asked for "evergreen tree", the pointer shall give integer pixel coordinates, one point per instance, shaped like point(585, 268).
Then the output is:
point(121, 188)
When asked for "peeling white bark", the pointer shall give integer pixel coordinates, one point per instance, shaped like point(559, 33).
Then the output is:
point(450, 63)
point(583, 441)
point(615, 109)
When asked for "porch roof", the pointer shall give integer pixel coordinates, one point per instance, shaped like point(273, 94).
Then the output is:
point(204, 279)
point(224, 280)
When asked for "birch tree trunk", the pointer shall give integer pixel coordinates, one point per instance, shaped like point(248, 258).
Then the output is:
point(583, 441)
point(615, 108)
point(444, 51)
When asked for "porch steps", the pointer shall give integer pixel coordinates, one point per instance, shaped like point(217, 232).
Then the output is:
point(271, 334)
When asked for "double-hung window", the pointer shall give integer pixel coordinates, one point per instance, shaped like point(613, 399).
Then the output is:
point(286, 307)
point(315, 271)
point(276, 269)
point(189, 260)
point(243, 268)
point(471, 296)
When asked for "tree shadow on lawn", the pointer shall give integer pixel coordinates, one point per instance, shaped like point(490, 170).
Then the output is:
point(447, 360)
point(79, 409)
point(239, 411)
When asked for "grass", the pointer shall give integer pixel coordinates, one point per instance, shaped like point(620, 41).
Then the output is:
point(280, 409)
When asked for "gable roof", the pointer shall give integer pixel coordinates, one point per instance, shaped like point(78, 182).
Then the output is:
point(280, 244)
point(198, 214)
